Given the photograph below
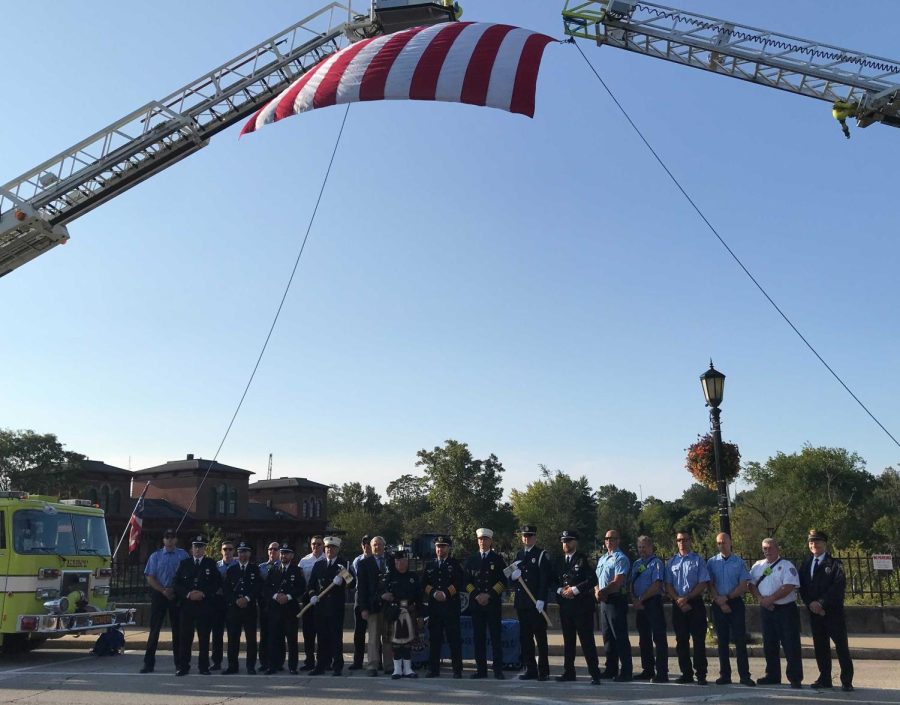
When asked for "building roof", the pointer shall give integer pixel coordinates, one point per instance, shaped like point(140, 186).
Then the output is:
point(191, 463)
point(287, 483)
point(257, 511)
point(101, 467)
point(163, 509)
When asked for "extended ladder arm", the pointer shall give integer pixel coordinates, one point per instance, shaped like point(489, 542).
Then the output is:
point(35, 207)
point(869, 85)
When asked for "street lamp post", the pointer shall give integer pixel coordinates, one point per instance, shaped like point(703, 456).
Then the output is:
point(713, 383)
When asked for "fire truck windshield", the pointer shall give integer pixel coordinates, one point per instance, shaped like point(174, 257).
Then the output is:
point(61, 533)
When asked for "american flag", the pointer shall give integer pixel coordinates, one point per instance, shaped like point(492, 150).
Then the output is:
point(136, 522)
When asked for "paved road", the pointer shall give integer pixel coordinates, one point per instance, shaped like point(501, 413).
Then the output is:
point(63, 677)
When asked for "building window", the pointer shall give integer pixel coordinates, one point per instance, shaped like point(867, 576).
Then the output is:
point(232, 500)
point(93, 496)
point(115, 502)
point(319, 508)
point(221, 499)
point(305, 509)
point(104, 498)
point(212, 501)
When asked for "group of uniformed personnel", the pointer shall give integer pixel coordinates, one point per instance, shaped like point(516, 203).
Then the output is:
point(391, 602)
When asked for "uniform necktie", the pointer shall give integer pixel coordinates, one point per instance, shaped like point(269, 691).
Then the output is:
point(815, 565)
point(197, 562)
point(440, 563)
point(243, 568)
point(568, 560)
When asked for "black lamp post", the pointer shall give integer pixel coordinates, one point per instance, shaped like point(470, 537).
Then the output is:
point(713, 383)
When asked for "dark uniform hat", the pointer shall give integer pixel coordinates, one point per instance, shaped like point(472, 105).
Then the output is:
point(568, 535)
point(443, 540)
point(244, 546)
point(169, 534)
point(365, 539)
point(816, 535)
point(285, 548)
point(199, 540)
point(400, 553)
point(528, 530)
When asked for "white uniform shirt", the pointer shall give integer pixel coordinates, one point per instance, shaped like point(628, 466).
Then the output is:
point(307, 563)
point(782, 573)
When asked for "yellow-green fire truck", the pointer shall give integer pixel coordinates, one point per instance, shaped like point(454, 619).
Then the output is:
point(55, 570)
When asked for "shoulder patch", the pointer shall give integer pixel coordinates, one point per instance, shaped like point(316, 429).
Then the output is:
point(793, 571)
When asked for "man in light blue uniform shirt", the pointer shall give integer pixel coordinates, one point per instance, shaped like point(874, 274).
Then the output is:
point(647, 590)
point(728, 581)
point(686, 581)
point(611, 593)
point(160, 572)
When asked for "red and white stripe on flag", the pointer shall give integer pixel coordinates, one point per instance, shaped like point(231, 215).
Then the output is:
point(136, 523)
point(478, 63)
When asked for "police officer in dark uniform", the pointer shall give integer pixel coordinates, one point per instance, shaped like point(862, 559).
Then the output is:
point(576, 608)
point(219, 608)
point(485, 586)
point(533, 567)
point(284, 586)
point(822, 587)
point(263, 602)
point(242, 588)
point(328, 610)
point(196, 581)
point(442, 583)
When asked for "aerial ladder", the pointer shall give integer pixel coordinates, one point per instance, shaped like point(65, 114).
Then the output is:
point(855, 84)
point(36, 207)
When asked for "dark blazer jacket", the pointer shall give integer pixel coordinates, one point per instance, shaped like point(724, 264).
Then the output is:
point(205, 578)
point(449, 579)
point(486, 575)
point(289, 580)
point(537, 574)
point(321, 577)
point(826, 586)
point(371, 583)
point(578, 573)
point(242, 583)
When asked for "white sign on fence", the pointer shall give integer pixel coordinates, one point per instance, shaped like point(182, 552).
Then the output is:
point(882, 561)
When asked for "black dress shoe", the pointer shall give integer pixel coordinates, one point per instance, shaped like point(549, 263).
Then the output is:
point(596, 681)
point(643, 676)
point(622, 678)
point(251, 671)
point(229, 671)
point(543, 677)
point(182, 672)
point(847, 688)
point(528, 676)
point(683, 679)
point(723, 680)
point(204, 672)
point(821, 684)
point(355, 667)
point(607, 675)
point(317, 672)
point(701, 680)
point(478, 674)
point(499, 675)
point(216, 667)
point(749, 682)
point(765, 680)
point(372, 672)
point(293, 671)
point(661, 679)
point(308, 667)
point(565, 677)
point(146, 669)
point(271, 671)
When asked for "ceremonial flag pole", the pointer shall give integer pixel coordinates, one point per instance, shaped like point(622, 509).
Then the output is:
point(134, 525)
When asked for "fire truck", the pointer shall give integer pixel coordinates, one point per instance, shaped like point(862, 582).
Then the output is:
point(55, 569)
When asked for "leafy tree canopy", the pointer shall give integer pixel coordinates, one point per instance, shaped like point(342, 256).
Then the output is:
point(37, 463)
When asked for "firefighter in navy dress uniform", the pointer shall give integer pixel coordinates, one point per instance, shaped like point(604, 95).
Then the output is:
point(196, 582)
point(822, 586)
point(328, 610)
point(533, 567)
point(485, 586)
point(442, 584)
point(283, 588)
point(242, 588)
point(576, 608)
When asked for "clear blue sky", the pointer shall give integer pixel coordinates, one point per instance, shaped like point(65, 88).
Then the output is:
point(535, 288)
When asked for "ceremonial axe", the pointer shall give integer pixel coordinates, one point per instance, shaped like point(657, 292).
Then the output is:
point(347, 578)
point(508, 571)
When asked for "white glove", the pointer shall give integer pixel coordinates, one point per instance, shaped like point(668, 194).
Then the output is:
point(516, 574)
point(314, 600)
point(338, 580)
point(540, 605)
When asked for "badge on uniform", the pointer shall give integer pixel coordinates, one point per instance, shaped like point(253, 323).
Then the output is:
point(827, 570)
point(207, 571)
point(534, 560)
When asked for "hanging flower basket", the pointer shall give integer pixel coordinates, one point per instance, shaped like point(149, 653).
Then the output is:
point(702, 465)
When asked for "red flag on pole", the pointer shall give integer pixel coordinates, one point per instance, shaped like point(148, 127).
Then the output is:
point(136, 523)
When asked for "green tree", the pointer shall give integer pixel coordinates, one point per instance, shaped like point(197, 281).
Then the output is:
point(464, 492)
point(887, 504)
point(352, 495)
point(408, 513)
point(556, 502)
point(827, 488)
point(37, 463)
point(620, 510)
